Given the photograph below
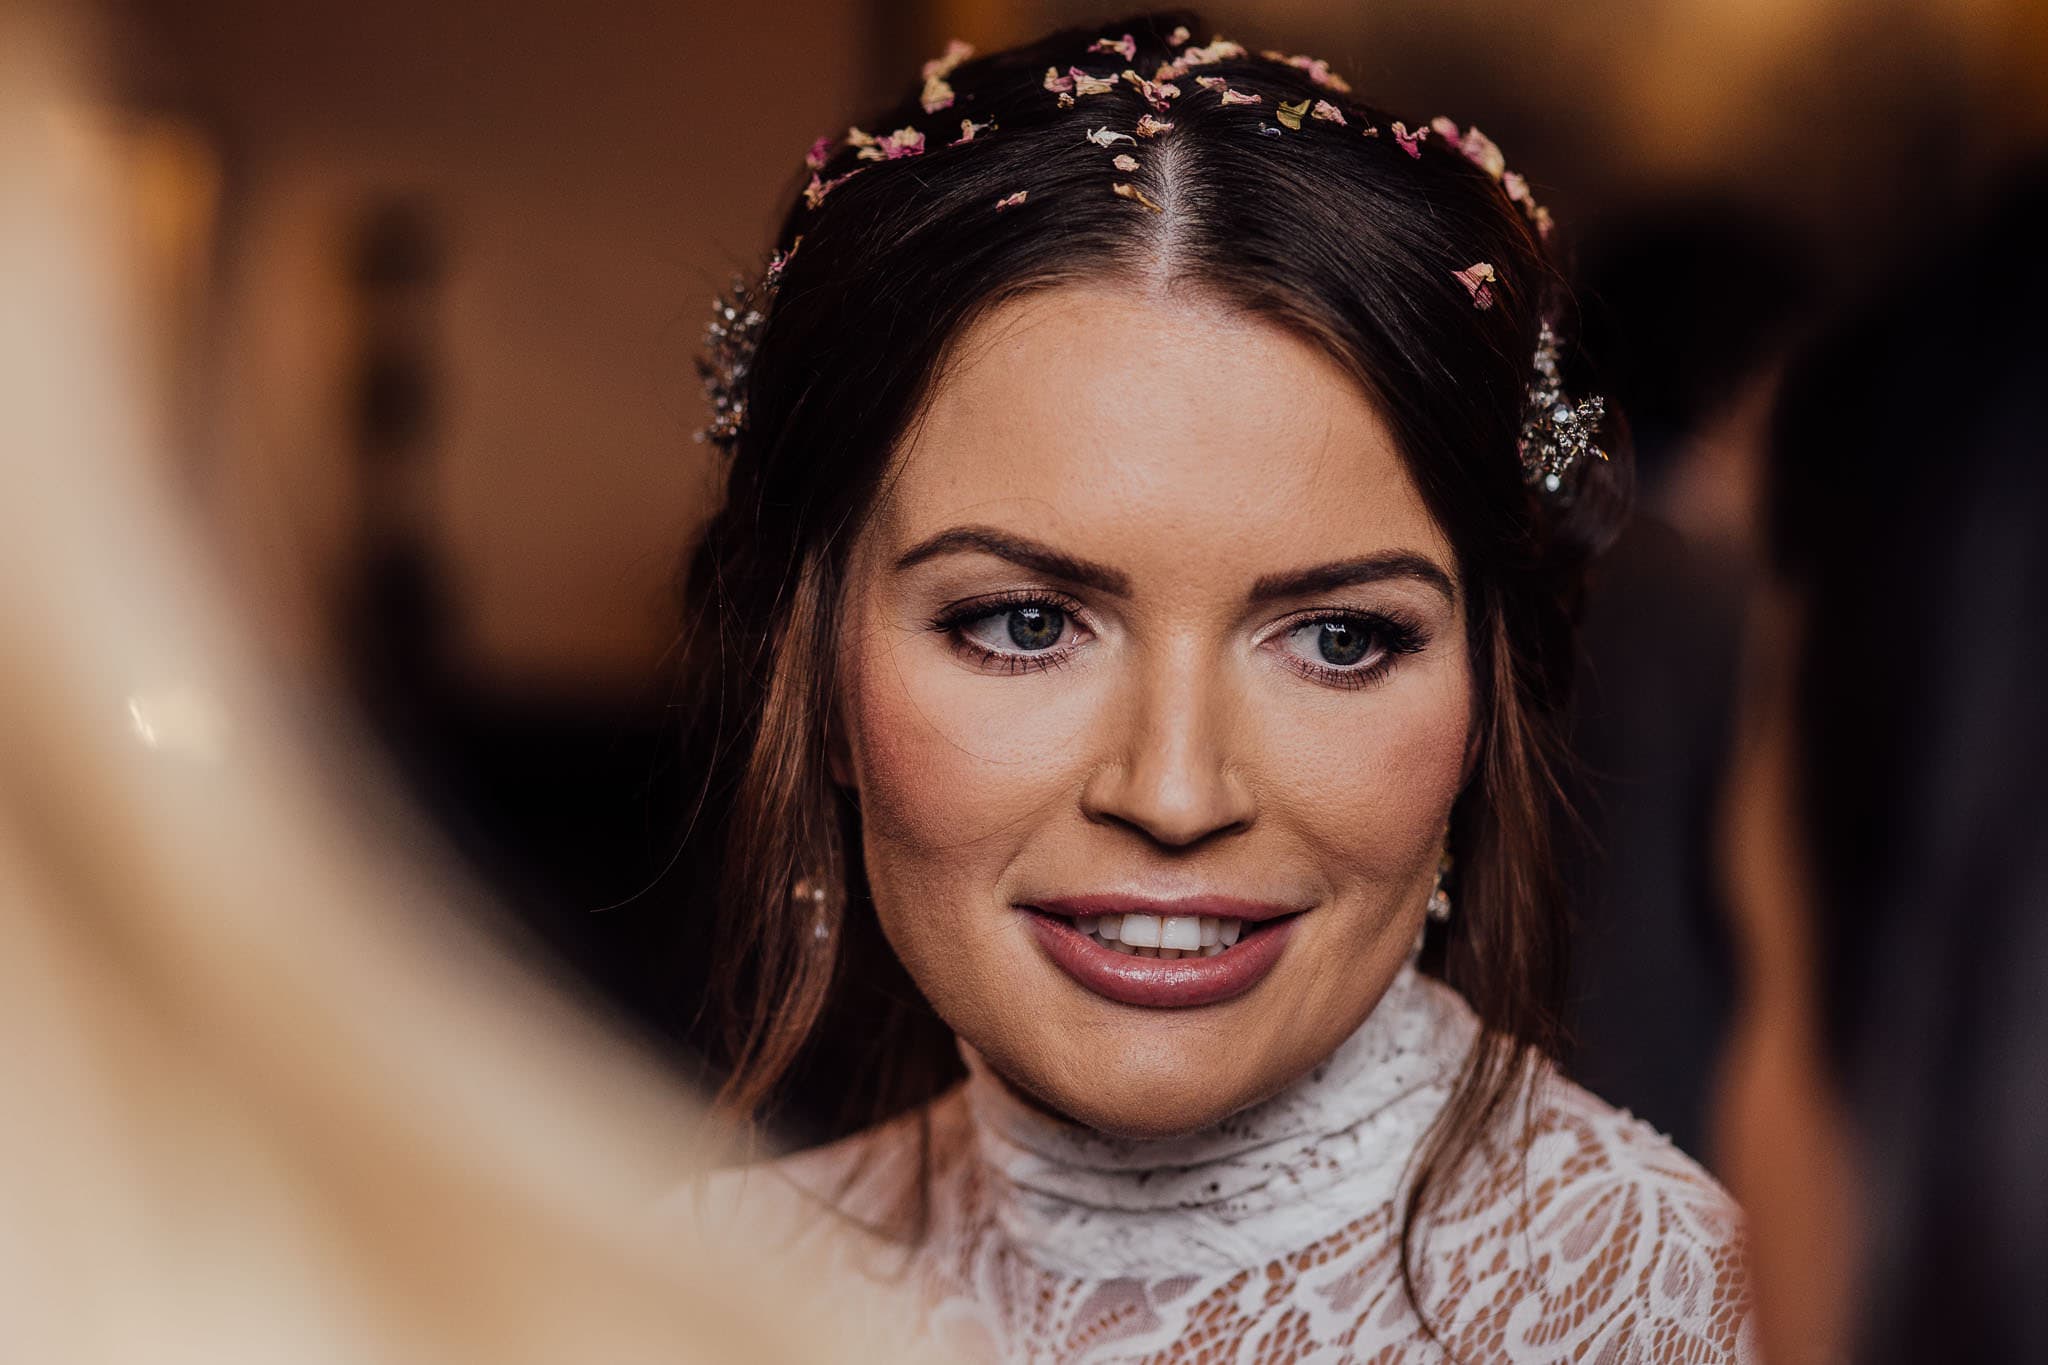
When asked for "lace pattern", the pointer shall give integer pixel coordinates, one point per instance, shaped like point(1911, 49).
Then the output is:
point(1275, 1237)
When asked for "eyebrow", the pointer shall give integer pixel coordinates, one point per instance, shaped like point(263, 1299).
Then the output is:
point(1043, 559)
point(1020, 550)
point(1385, 567)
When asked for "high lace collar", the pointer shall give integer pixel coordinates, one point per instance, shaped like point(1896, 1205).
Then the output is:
point(1271, 1179)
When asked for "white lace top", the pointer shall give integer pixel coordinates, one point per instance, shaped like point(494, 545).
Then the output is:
point(1275, 1236)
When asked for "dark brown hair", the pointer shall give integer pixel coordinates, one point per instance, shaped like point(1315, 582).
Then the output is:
point(1343, 237)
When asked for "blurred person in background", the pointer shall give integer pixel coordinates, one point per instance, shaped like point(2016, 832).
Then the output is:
point(1689, 306)
point(1884, 1114)
point(1134, 640)
point(263, 1096)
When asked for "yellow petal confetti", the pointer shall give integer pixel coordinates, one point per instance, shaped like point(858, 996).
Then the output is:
point(1290, 114)
point(1132, 192)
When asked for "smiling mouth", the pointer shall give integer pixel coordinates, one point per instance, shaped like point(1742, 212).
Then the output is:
point(1140, 952)
point(1166, 936)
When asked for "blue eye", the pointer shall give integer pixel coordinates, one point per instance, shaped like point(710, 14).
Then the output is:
point(1036, 627)
point(1350, 648)
point(1026, 628)
point(1342, 643)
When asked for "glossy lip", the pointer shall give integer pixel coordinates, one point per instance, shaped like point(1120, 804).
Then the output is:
point(1163, 983)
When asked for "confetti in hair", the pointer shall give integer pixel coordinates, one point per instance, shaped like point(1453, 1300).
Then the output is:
point(1085, 84)
point(1153, 127)
point(893, 146)
point(1108, 137)
point(1411, 143)
point(815, 192)
point(968, 129)
point(1318, 71)
point(1010, 201)
point(1125, 47)
point(1132, 192)
point(1328, 112)
point(1478, 279)
point(1159, 96)
point(937, 93)
point(820, 153)
point(1179, 36)
point(1290, 114)
point(1219, 49)
point(1231, 96)
point(1124, 162)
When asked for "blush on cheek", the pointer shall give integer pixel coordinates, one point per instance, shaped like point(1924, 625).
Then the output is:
point(942, 761)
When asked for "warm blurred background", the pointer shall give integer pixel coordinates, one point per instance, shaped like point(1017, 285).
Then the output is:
point(428, 280)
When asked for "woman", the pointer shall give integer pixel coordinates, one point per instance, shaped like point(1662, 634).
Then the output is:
point(1883, 1111)
point(1153, 514)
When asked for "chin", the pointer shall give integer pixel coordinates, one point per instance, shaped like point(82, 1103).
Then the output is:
point(1142, 1093)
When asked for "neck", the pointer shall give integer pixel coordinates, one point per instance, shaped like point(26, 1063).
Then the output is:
point(1332, 1145)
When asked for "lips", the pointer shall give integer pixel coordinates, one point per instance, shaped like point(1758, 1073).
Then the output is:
point(1163, 954)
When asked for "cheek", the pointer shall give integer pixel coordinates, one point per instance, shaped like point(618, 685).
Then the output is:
point(1369, 781)
point(952, 771)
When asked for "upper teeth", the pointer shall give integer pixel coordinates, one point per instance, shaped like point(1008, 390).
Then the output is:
point(1162, 935)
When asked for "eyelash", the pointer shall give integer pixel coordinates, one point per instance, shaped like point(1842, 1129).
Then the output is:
point(1397, 636)
point(954, 619)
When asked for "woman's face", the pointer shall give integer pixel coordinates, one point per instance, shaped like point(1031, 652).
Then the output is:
point(1152, 642)
point(1781, 1138)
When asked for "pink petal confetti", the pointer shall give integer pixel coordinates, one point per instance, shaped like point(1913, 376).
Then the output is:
point(781, 258)
point(1179, 36)
point(1290, 114)
point(1107, 137)
point(1370, 130)
point(1541, 217)
point(1133, 193)
point(968, 128)
point(1517, 188)
point(1160, 97)
point(815, 192)
point(1445, 129)
point(893, 147)
point(1057, 83)
point(1124, 161)
point(820, 153)
point(1085, 84)
point(1411, 143)
point(937, 94)
point(1241, 97)
point(1219, 49)
point(1152, 127)
point(1328, 112)
point(1169, 71)
point(942, 65)
point(856, 138)
point(1126, 46)
point(1479, 149)
point(1318, 70)
point(1478, 279)
point(1212, 82)
point(1010, 201)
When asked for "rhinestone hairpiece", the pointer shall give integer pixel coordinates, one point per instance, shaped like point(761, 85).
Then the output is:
point(729, 342)
point(1557, 431)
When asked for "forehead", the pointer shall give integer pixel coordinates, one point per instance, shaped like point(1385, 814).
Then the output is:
point(1139, 426)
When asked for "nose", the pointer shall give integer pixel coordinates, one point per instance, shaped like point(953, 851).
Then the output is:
point(1169, 771)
